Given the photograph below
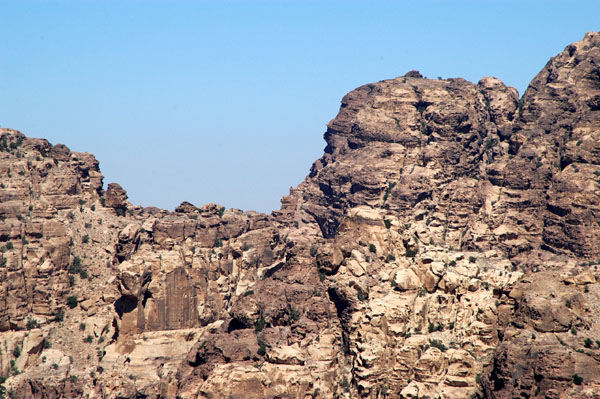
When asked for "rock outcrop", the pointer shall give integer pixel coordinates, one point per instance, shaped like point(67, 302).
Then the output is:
point(444, 246)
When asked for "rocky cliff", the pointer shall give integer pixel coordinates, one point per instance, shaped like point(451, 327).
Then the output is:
point(444, 246)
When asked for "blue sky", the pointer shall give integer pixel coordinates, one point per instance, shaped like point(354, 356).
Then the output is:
point(227, 101)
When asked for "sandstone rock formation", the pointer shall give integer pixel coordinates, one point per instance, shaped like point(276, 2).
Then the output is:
point(445, 246)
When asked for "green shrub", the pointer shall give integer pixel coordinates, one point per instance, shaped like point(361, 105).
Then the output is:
point(85, 239)
point(16, 351)
point(46, 344)
point(260, 324)
point(577, 379)
point(262, 347)
point(294, 314)
point(59, 314)
point(82, 326)
point(388, 191)
point(344, 384)
point(9, 245)
point(410, 253)
point(436, 343)
point(388, 223)
point(75, 266)
point(32, 323)
point(587, 343)
point(372, 248)
point(362, 295)
point(472, 259)
point(390, 258)
point(72, 301)
point(89, 339)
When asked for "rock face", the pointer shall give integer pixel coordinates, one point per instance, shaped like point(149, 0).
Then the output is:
point(445, 246)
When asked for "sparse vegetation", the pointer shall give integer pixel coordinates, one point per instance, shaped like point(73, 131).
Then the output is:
point(59, 314)
point(436, 343)
point(372, 248)
point(260, 324)
point(262, 347)
point(294, 313)
point(362, 295)
point(435, 327)
point(344, 384)
point(411, 253)
point(72, 301)
point(77, 268)
point(32, 323)
point(388, 191)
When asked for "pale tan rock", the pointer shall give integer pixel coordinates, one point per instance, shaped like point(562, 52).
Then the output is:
point(406, 279)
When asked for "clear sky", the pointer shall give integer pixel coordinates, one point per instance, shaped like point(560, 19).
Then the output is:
point(227, 101)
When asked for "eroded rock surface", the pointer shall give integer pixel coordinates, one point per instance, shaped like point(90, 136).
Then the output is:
point(444, 246)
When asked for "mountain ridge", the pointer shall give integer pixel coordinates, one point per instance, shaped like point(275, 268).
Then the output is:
point(444, 245)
